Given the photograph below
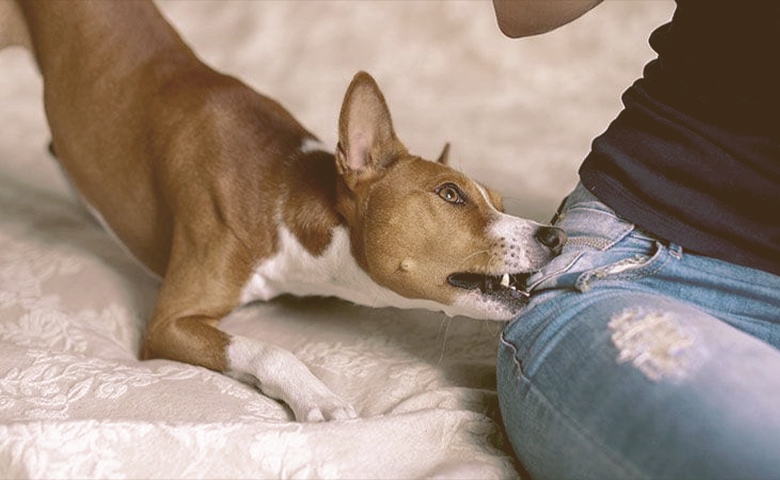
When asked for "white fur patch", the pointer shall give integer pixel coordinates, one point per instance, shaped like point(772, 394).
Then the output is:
point(310, 144)
point(281, 375)
point(521, 252)
point(335, 273)
point(475, 305)
point(486, 197)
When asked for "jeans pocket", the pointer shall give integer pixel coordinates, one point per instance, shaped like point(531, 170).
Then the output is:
point(625, 264)
point(601, 247)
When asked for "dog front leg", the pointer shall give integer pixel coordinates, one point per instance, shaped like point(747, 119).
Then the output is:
point(281, 375)
point(275, 371)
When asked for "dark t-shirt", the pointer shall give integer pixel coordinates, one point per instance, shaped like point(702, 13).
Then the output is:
point(694, 157)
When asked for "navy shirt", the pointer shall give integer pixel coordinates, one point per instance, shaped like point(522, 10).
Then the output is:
point(694, 157)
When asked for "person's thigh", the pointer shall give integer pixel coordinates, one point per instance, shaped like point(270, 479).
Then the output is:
point(615, 370)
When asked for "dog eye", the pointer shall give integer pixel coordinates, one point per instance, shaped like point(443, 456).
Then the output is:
point(451, 193)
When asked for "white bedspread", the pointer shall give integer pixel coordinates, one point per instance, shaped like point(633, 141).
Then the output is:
point(74, 400)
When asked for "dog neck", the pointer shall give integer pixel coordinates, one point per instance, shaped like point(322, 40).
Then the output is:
point(313, 253)
point(333, 272)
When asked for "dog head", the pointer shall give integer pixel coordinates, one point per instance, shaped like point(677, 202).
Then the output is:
point(425, 230)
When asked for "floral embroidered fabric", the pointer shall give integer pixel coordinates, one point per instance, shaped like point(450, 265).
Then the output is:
point(75, 401)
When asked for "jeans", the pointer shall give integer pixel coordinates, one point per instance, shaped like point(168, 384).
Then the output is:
point(636, 359)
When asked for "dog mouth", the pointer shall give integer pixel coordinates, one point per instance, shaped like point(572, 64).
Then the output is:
point(512, 284)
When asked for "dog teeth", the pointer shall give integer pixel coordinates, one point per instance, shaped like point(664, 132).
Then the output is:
point(505, 280)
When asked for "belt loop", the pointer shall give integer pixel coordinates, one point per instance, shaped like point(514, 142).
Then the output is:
point(676, 251)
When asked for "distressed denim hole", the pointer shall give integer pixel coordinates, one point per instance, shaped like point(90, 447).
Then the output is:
point(654, 342)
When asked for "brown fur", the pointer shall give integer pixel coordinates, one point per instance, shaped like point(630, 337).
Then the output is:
point(197, 125)
point(191, 169)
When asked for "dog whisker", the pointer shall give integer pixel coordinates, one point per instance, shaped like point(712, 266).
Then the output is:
point(474, 254)
point(446, 322)
point(495, 328)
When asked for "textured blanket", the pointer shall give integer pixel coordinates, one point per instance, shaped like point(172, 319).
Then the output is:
point(75, 402)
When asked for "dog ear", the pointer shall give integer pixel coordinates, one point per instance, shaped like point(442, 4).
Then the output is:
point(444, 156)
point(367, 141)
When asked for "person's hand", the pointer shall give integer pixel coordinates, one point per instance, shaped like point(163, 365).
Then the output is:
point(523, 18)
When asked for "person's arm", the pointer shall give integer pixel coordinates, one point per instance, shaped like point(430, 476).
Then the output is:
point(523, 18)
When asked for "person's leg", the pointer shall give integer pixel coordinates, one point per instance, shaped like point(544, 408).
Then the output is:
point(614, 371)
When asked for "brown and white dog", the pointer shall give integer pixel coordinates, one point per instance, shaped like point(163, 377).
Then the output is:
point(225, 196)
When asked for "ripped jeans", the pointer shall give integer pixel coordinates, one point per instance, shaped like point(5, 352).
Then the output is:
point(636, 359)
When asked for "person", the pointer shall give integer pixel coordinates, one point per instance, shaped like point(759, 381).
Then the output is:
point(650, 348)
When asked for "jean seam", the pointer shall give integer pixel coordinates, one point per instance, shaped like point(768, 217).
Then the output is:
point(572, 424)
point(515, 351)
point(655, 264)
point(626, 466)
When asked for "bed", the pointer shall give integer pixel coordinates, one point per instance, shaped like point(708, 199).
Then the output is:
point(75, 401)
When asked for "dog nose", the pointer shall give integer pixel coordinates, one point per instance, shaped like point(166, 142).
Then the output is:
point(553, 238)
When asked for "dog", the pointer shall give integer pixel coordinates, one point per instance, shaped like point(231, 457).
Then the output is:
point(223, 195)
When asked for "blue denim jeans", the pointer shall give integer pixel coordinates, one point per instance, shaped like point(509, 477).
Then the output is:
point(636, 359)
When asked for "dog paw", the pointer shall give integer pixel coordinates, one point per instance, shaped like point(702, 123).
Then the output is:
point(281, 375)
point(325, 409)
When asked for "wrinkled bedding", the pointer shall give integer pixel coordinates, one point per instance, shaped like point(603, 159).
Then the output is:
point(75, 402)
